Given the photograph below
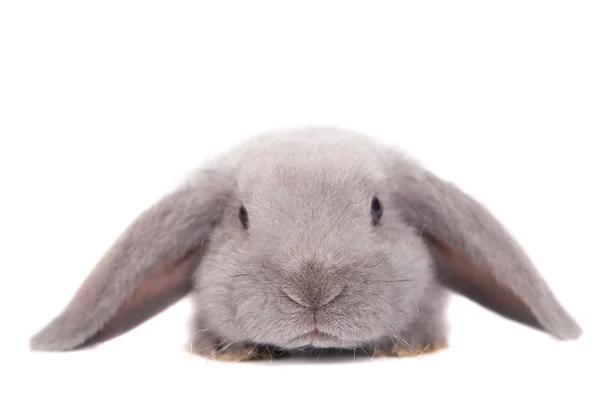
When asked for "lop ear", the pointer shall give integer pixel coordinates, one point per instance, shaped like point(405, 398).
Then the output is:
point(148, 268)
point(475, 254)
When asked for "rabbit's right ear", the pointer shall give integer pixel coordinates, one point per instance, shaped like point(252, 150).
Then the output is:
point(146, 269)
point(475, 254)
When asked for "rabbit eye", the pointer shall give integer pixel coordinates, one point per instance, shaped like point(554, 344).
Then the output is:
point(243, 214)
point(376, 210)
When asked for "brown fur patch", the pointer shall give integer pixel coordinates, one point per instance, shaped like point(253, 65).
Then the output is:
point(402, 351)
point(239, 355)
point(236, 354)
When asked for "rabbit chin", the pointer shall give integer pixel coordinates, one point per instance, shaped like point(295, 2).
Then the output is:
point(319, 339)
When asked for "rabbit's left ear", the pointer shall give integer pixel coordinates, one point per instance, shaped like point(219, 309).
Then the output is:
point(475, 255)
point(149, 267)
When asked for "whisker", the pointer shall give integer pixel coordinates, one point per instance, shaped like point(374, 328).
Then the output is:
point(399, 309)
point(400, 281)
point(258, 278)
point(207, 347)
point(374, 353)
point(393, 333)
point(363, 349)
point(374, 265)
point(248, 326)
point(213, 285)
point(405, 342)
point(220, 351)
point(236, 276)
point(270, 355)
point(392, 329)
point(229, 275)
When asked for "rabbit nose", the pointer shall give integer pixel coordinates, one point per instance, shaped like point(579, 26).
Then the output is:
point(313, 296)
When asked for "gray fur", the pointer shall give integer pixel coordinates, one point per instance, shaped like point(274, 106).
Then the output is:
point(449, 215)
point(310, 257)
point(177, 225)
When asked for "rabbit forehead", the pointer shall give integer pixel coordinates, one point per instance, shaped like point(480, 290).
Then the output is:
point(311, 162)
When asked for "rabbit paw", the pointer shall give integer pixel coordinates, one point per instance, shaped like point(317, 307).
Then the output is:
point(235, 353)
point(410, 351)
point(239, 354)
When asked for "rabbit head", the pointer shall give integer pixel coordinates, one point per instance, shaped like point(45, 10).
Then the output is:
point(311, 237)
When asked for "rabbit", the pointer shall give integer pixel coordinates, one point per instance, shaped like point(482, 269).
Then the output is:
point(308, 238)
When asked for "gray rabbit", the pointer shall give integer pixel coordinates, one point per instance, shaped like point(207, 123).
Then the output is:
point(313, 238)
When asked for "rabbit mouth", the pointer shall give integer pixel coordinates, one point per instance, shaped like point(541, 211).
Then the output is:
point(316, 338)
point(317, 335)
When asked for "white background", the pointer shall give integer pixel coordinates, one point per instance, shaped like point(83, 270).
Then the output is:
point(106, 105)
